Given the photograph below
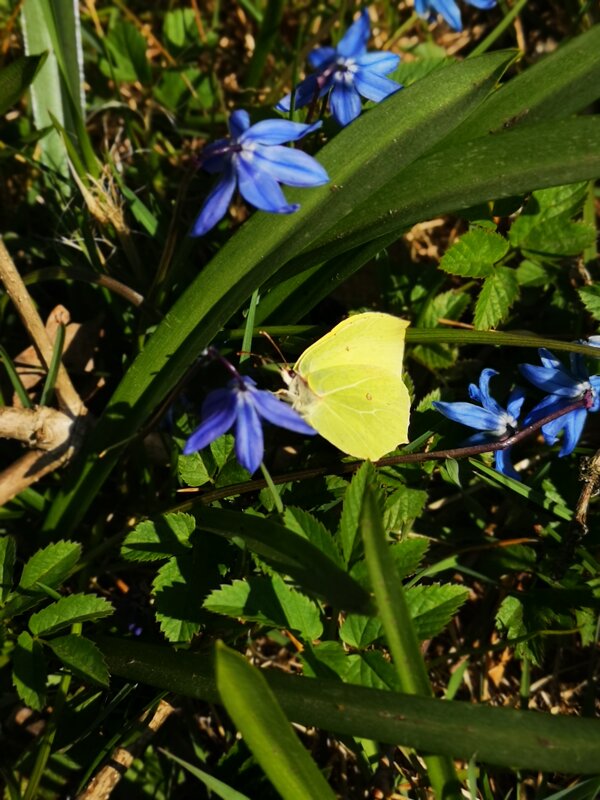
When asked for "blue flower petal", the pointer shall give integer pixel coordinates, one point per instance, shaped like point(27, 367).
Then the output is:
point(214, 156)
point(481, 393)
point(216, 204)
point(380, 62)
point(320, 57)
point(354, 42)
point(292, 167)
point(249, 442)
point(595, 384)
point(239, 121)
point(306, 91)
point(548, 405)
point(470, 415)
point(503, 464)
point(219, 412)
point(261, 190)
point(549, 360)
point(373, 86)
point(277, 131)
point(515, 402)
point(572, 424)
point(279, 413)
point(551, 380)
point(345, 103)
point(449, 11)
point(483, 4)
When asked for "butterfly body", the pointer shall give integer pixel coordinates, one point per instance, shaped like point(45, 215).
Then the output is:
point(348, 385)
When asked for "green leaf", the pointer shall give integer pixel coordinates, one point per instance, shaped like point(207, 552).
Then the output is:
point(127, 48)
point(81, 657)
point(531, 274)
point(590, 297)
point(192, 470)
point(155, 540)
point(51, 565)
point(16, 77)
point(433, 606)
point(216, 786)
point(360, 631)
point(288, 553)
point(402, 508)
point(29, 672)
point(474, 254)
point(304, 524)
point(68, 610)
point(180, 27)
point(557, 237)
point(178, 599)
point(348, 533)
point(502, 736)
point(254, 709)
point(497, 295)
point(406, 555)
point(268, 601)
point(8, 554)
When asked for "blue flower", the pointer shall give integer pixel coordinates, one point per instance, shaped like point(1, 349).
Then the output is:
point(243, 405)
point(348, 72)
point(449, 10)
point(565, 387)
point(253, 159)
point(489, 417)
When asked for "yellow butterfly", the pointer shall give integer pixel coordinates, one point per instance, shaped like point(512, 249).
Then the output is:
point(348, 385)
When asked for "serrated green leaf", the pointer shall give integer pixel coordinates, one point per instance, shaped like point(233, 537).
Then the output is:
point(474, 254)
point(303, 523)
point(348, 533)
point(192, 470)
point(178, 601)
point(360, 631)
point(8, 554)
point(371, 669)
point(406, 556)
point(497, 295)
point(155, 540)
point(402, 507)
point(29, 672)
point(68, 610)
point(51, 565)
point(590, 297)
point(558, 237)
point(447, 305)
point(81, 657)
point(254, 709)
point(268, 601)
point(433, 606)
point(530, 273)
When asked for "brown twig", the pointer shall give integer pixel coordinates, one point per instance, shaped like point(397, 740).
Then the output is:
point(68, 399)
point(102, 784)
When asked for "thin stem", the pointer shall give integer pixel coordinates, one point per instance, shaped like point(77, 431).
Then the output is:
point(407, 458)
point(499, 29)
point(249, 329)
point(273, 489)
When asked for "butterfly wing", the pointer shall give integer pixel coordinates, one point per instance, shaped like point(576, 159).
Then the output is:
point(374, 339)
point(361, 409)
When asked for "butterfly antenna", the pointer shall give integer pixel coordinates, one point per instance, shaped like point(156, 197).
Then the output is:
point(275, 347)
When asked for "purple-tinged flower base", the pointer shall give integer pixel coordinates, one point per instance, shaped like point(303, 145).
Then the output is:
point(242, 406)
point(348, 73)
point(254, 160)
point(565, 387)
point(494, 422)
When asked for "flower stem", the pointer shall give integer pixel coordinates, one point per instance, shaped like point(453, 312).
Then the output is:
point(499, 29)
point(249, 329)
point(272, 488)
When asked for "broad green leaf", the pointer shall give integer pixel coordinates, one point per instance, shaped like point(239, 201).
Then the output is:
point(178, 601)
point(497, 295)
point(16, 77)
point(29, 672)
point(590, 297)
point(502, 736)
point(127, 48)
point(561, 84)
point(216, 786)
point(531, 274)
point(8, 554)
point(68, 610)
point(433, 606)
point(474, 254)
point(51, 565)
point(192, 470)
point(558, 237)
point(360, 159)
point(81, 657)
point(406, 555)
point(254, 709)
point(360, 631)
point(303, 523)
point(180, 27)
point(155, 540)
point(268, 601)
point(371, 669)
point(447, 305)
point(288, 553)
